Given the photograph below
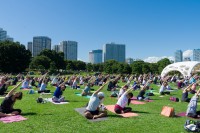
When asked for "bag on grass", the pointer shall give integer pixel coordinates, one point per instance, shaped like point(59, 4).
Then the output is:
point(31, 91)
point(168, 111)
point(174, 99)
point(149, 94)
point(192, 126)
point(40, 100)
point(114, 94)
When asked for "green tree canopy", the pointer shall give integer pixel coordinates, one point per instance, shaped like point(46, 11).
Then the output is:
point(13, 57)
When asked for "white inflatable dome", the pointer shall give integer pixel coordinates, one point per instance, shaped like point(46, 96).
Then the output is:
point(185, 68)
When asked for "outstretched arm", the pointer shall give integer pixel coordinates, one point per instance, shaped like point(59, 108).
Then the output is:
point(100, 88)
point(13, 90)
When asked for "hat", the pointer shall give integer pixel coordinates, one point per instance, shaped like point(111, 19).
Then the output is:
point(100, 94)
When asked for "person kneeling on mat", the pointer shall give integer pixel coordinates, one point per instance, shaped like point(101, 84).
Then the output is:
point(6, 108)
point(57, 96)
point(192, 106)
point(86, 91)
point(122, 101)
point(92, 109)
point(163, 89)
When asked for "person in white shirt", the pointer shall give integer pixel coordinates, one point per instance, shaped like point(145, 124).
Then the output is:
point(163, 89)
point(120, 106)
point(92, 110)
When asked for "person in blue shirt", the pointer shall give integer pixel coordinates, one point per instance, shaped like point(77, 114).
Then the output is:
point(86, 91)
point(57, 96)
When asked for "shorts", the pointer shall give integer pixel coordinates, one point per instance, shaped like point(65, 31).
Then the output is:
point(96, 112)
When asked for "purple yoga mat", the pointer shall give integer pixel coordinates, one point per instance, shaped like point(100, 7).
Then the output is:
point(10, 119)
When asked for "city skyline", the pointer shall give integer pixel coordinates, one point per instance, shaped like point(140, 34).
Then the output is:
point(150, 29)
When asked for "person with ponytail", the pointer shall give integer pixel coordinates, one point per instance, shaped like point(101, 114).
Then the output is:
point(6, 108)
point(120, 106)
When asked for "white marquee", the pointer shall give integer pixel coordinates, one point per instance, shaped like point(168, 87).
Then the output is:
point(185, 68)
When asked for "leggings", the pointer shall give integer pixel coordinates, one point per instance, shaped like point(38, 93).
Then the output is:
point(125, 110)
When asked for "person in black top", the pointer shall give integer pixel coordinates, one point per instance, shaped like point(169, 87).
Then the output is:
point(185, 93)
point(142, 92)
point(4, 88)
point(6, 108)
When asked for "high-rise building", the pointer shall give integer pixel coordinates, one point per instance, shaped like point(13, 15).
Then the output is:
point(56, 48)
point(129, 60)
point(30, 46)
point(69, 48)
point(3, 34)
point(178, 56)
point(114, 51)
point(196, 54)
point(8, 38)
point(40, 43)
point(95, 56)
point(187, 59)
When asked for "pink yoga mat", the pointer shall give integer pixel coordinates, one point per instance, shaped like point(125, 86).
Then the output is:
point(183, 114)
point(111, 109)
point(10, 119)
point(137, 102)
point(135, 98)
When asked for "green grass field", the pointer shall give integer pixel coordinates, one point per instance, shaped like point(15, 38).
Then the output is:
point(50, 118)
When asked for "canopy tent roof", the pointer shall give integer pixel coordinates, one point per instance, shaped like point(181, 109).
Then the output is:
point(185, 68)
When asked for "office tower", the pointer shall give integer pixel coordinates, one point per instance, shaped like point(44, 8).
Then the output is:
point(3, 34)
point(30, 46)
point(69, 48)
point(56, 48)
point(129, 60)
point(114, 51)
point(196, 54)
point(95, 56)
point(178, 56)
point(40, 43)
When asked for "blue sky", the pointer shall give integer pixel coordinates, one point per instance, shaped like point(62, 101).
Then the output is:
point(149, 28)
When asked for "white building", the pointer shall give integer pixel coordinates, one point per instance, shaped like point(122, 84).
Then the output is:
point(95, 56)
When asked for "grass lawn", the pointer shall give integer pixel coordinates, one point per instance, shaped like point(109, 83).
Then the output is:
point(50, 118)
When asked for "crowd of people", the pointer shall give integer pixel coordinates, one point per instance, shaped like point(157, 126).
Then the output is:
point(141, 83)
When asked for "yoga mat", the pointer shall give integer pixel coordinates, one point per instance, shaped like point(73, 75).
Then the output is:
point(79, 94)
point(137, 102)
point(171, 90)
point(45, 93)
point(111, 109)
point(156, 93)
point(25, 89)
point(82, 110)
point(2, 97)
point(50, 100)
point(134, 98)
point(10, 119)
point(183, 114)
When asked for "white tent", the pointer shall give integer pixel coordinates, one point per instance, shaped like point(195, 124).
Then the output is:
point(185, 68)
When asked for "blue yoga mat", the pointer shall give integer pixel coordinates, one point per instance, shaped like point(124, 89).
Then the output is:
point(79, 94)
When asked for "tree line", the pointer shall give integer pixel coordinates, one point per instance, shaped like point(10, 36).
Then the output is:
point(15, 58)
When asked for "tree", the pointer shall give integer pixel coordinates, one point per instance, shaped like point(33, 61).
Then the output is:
point(89, 67)
point(154, 68)
point(13, 57)
point(145, 68)
point(162, 64)
point(79, 65)
point(57, 58)
point(39, 62)
point(137, 67)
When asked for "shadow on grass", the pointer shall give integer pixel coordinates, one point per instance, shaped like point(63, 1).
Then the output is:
point(29, 113)
point(140, 112)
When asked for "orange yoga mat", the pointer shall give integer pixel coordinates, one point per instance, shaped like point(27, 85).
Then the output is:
point(111, 109)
